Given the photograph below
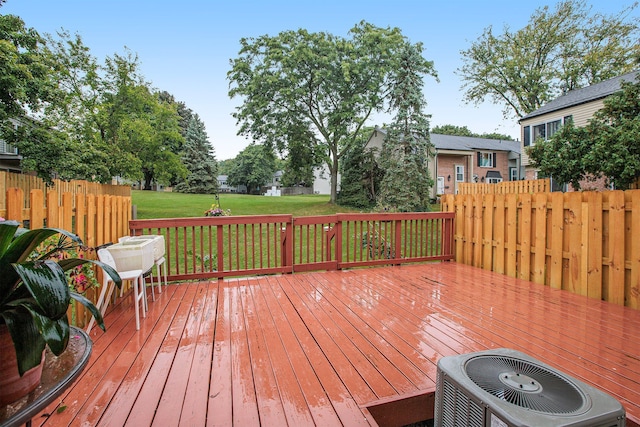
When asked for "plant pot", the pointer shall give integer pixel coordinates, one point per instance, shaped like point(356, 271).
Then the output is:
point(12, 385)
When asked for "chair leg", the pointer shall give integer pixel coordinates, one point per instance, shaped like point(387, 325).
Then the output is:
point(143, 296)
point(143, 292)
point(153, 294)
point(136, 301)
point(102, 301)
point(164, 269)
point(159, 278)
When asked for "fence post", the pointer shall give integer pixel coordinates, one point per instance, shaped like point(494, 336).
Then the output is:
point(15, 202)
point(36, 211)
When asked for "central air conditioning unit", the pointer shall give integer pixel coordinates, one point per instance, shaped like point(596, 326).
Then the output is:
point(503, 388)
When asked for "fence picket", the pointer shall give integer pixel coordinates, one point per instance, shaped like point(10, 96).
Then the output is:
point(557, 237)
point(592, 250)
point(615, 285)
point(525, 237)
point(487, 237)
point(539, 233)
point(633, 299)
point(499, 234)
point(512, 230)
point(573, 277)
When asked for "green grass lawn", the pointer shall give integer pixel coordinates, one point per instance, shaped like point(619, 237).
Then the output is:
point(154, 204)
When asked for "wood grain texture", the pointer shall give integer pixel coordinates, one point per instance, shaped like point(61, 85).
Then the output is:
point(335, 348)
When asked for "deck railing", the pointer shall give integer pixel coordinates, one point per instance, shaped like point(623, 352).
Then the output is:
point(217, 247)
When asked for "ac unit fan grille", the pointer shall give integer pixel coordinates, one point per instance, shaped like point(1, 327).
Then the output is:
point(526, 384)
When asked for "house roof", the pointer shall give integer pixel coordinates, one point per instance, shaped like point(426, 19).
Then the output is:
point(468, 143)
point(583, 95)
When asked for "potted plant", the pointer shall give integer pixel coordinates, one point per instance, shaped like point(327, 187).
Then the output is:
point(34, 298)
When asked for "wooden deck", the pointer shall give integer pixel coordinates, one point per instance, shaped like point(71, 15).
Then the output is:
point(356, 347)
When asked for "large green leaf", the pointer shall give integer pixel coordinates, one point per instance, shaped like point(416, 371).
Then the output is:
point(54, 332)
point(47, 283)
point(92, 308)
point(7, 231)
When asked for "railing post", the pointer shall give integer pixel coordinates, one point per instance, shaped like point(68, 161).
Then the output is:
point(337, 232)
point(447, 237)
point(329, 234)
point(286, 238)
point(398, 241)
point(220, 249)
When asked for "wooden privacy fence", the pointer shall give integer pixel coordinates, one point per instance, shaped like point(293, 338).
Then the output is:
point(29, 182)
point(217, 247)
point(96, 219)
point(506, 187)
point(584, 242)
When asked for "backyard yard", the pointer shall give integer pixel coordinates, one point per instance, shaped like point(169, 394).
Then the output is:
point(153, 204)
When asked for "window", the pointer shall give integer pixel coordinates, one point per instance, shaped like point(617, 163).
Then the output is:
point(539, 132)
point(459, 173)
point(553, 127)
point(513, 174)
point(543, 130)
point(493, 177)
point(527, 136)
point(486, 160)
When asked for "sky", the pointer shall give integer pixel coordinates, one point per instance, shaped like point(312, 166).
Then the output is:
point(185, 46)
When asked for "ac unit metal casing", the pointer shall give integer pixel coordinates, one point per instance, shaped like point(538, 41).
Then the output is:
point(461, 402)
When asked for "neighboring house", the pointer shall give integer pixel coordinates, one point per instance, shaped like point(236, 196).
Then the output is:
point(9, 158)
point(322, 180)
point(577, 106)
point(465, 159)
point(223, 186)
point(276, 180)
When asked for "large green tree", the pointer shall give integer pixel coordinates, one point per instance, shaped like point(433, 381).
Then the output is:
point(90, 121)
point(558, 50)
point(141, 132)
point(464, 131)
point(198, 157)
point(28, 84)
point(609, 146)
point(317, 81)
point(300, 160)
point(253, 167)
point(407, 147)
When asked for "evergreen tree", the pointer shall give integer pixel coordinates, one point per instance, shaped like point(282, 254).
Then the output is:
point(405, 151)
point(200, 160)
point(361, 177)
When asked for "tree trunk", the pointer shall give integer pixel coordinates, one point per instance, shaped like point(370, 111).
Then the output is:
point(148, 179)
point(333, 170)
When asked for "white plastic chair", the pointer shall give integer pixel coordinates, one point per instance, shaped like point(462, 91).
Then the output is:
point(157, 263)
point(139, 290)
